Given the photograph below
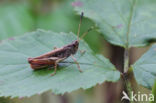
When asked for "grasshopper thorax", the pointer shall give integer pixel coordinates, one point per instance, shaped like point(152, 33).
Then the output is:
point(74, 46)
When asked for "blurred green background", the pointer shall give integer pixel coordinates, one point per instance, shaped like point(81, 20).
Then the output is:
point(20, 16)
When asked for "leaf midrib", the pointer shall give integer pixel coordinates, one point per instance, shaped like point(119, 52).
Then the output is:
point(129, 23)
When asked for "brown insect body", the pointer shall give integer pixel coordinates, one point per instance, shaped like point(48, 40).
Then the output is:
point(49, 59)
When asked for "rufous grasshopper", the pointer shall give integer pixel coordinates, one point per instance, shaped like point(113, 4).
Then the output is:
point(58, 54)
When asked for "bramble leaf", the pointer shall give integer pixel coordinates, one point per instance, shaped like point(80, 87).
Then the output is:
point(145, 68)
point(18, 79)
point(127, 23)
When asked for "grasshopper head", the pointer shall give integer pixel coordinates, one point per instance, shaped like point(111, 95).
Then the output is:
point(74, 46)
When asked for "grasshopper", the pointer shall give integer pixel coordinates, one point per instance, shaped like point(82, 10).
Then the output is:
point(58, 54)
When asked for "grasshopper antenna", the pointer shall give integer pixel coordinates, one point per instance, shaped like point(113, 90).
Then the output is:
point(84, 34)
point(78, 33)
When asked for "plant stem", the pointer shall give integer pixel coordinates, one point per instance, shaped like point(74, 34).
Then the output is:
point(126, 68)
point(126, 60)
point(126, 52)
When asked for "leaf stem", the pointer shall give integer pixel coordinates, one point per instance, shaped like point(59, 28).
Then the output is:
point(126, 52)
point(125, 71)
point(126, 60)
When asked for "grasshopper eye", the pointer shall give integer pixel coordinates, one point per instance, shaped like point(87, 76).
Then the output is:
point(75, 45)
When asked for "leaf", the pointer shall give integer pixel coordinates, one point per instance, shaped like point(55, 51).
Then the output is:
point(144, 68)
point(15, 19)
point(127, 23)
point(18, 79)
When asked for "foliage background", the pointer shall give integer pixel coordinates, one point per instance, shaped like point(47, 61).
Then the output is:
point(19, 17)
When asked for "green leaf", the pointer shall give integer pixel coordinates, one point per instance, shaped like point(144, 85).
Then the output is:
point(18, 79)
point(144, 68)
point(127, 23)
point(15, 19)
